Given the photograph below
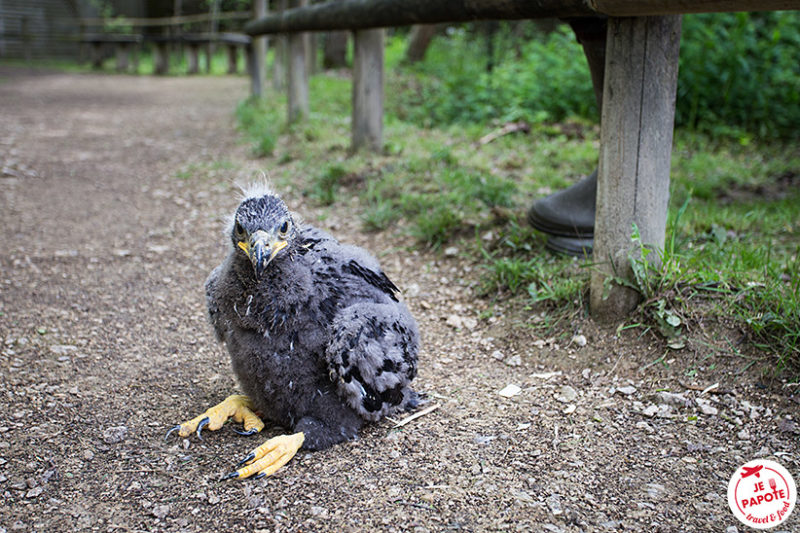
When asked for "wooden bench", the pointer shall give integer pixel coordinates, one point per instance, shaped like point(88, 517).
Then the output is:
point(122, 45)
point(232, 41)
point(194, 42)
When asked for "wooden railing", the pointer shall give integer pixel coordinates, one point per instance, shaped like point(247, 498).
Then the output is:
point(637, 112)
point(170, 33)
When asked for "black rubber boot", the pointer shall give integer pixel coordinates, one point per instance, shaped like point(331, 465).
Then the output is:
point(567, 213)
point(568, 216)
point(570, 245)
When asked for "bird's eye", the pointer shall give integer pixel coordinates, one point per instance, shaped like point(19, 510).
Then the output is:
point(238, 229)
point(284, 228)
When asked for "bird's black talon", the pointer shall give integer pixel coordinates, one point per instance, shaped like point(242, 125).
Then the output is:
point(232, 475)
point(247, 459)
point(260, 475)
point(251, 431)
point(203, 423)
point(175, 428)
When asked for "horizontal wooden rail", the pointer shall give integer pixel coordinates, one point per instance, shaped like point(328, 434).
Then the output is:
point(364, 14)
point(639, 8)
point(168, 21)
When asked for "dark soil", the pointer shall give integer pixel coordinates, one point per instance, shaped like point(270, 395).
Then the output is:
point(105, 345)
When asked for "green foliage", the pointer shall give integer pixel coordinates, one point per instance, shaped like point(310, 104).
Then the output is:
point(205, 170)
point(771, 309)
point(659, 281)
point(739, 71)
point(518, 264)
point(738, 77)
point(441, 198)
point(436, 225)
point(112, 22)
point(323, 186)
point(259, 121)
point(548, 83)
point(754, 275)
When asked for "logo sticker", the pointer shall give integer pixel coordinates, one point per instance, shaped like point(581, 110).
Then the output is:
point(762, 494)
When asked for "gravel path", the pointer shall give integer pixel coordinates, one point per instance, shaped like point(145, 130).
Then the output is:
point(105, 245)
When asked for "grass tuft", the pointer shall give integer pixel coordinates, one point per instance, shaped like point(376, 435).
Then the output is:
point(260, 124)
point(323, 186)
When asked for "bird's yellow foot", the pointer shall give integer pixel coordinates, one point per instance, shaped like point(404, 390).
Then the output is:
point(269, 457)
point(236, 406)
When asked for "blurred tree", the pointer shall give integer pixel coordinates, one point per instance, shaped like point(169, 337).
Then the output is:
point(418, 41)
point(335, 50)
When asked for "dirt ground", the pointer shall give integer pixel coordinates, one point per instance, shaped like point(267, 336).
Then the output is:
point(105, 345)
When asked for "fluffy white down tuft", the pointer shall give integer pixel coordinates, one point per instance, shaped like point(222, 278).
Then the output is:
point(254, 189)
point(257, 189)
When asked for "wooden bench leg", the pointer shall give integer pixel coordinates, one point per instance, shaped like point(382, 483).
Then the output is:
point(367, 108)
point(137, 50)
point(123, 57)
point(257, 54)
point(97, 55)
point(233, 57)
point(161, 58)
point(279, 68)
point(298, 81)
point(635, 148)
point(194, 58)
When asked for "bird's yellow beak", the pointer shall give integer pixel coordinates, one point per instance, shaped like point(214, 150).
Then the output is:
point(262, 248)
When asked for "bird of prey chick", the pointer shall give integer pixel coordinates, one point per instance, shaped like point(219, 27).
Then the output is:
point(318, 339)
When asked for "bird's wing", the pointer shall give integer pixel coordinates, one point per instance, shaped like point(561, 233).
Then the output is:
point(372, 357)
point(377, 279)
point(212, 302)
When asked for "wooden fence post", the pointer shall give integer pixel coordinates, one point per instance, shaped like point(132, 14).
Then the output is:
point(367, 120)
point(335, 49)
point(279, 65)
point(161, 57)
point(233, 58)
point(298, 77)
point(635, 149)
point(123, 56)
point(258, 53)
point(96, 54)
point(418, 41)
point(194, 57)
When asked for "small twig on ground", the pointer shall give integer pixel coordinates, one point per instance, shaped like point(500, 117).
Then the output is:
point(713, 389)
point(511, 127)
point(406, 420)
point(419, 505)
point(615, 365)
point(546, 375)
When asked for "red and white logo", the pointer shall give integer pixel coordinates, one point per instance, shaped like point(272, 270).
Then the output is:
point(762, 494)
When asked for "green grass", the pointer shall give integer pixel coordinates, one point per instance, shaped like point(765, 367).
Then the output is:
point(178, 64)
point(772, 311)
point(733, 229)
point(205, 170)
point(325, 184)
point(260, 123)
point(63, 65)
point(738, 76)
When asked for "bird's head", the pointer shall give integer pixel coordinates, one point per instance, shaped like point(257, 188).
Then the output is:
point(262, 229)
